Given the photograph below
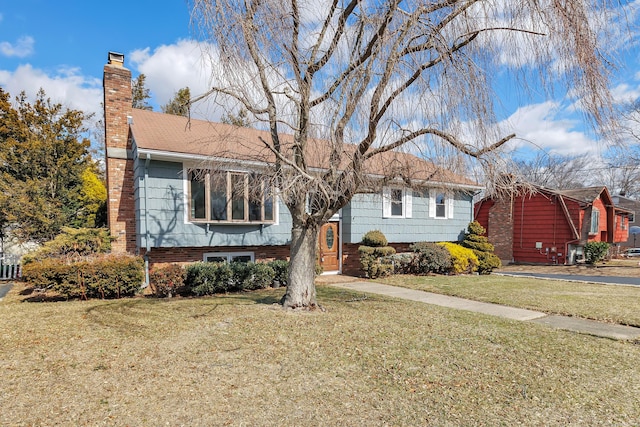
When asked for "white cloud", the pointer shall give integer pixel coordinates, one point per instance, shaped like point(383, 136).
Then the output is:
point(66, 86)
point(169, 68)
point(624, 93)
point(541, 126)
point(22, 48)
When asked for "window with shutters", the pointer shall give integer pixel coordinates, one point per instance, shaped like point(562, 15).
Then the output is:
point(440, 204)
point(396, 202)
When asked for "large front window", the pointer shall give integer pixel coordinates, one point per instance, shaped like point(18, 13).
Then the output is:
point(230, 197)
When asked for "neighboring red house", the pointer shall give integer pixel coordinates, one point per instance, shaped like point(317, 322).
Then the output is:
point(552, 226)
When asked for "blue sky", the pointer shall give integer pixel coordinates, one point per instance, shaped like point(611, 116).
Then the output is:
point(62, 47)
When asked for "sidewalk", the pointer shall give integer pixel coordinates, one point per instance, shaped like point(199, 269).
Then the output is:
point(574, 324)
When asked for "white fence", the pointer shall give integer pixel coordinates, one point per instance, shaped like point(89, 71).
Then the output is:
point(10, 268)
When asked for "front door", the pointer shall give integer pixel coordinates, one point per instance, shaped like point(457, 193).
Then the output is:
point(329, 247)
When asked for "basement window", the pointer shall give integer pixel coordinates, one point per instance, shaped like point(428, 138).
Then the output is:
point(228, 257)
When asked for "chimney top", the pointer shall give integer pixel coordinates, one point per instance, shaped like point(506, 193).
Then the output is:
point(116, 59)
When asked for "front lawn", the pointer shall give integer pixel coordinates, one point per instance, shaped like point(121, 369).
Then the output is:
point(618, 304)
point(241, 360)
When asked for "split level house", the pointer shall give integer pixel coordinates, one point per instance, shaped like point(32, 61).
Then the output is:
point(546, 226)
point(166, 203)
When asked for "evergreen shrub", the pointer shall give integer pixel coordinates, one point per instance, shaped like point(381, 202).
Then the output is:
point(281, 272)
point(375, 260)
point(430, 258)
point(73, 243)
point(595, 251)
point(107, 276)
point(374, 239)
point(476, 240)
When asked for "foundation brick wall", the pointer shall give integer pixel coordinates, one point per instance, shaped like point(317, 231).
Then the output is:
point(500, 228)
point(187, 255)
point(119, 164)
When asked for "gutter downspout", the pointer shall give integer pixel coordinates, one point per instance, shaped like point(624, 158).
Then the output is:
point(146, 222)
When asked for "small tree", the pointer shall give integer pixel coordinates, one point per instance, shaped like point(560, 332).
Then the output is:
point(475, 240)
point(44, 161)
point(179, 104)
point(140, 94)
point(241, 119)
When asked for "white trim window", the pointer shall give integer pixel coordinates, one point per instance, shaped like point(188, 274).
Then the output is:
point(228, 257)
point(397, 202)
point(595, 221)
point(230, 197)
point(440, 205)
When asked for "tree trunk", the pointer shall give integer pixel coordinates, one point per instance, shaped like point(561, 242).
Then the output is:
point(301, 289)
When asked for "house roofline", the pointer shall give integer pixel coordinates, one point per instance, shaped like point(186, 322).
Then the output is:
point(175, 156)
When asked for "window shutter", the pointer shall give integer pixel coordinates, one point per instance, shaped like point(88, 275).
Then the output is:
point(386, 202)
point(450, 207)
point(432, 204)
point(408, 202)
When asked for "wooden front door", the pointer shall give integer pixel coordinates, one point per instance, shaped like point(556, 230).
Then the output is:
point(329, 247)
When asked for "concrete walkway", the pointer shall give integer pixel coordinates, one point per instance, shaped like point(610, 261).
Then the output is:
point(583, 326)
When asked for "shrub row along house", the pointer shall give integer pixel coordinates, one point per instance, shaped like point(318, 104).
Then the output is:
point(185, 190)
point(552, 226)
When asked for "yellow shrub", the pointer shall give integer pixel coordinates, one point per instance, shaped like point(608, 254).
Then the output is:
point(463, 259)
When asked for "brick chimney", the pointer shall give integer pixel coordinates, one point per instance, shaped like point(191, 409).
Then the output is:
point(118, 156)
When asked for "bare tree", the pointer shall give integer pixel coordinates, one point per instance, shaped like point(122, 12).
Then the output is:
point(622, 171)
point(355, 81)
point(556, 171)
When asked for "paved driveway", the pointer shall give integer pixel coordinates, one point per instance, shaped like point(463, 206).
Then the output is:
point(610, 280)
point(4, 288)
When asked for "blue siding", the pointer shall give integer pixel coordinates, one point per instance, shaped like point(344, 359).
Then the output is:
point(167, 227)
point(167, 210)
point(365, 214)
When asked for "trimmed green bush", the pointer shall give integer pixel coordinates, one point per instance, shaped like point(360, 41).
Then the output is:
point(249, 276)
point(595, 251)
point(281, 273)
point(475, 240)
point(208, 278)
point(430, 258)
point(110, 276)
point(402, 262)
point(375, 261)
point(374, 239)
point(463, 260)
point(167, 281)
point(44, 274)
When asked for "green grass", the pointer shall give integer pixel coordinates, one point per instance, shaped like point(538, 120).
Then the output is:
point(610, 303)
point(242, 360)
